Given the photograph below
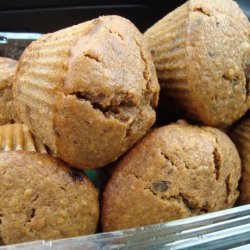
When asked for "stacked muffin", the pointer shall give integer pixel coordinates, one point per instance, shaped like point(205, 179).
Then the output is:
point(87, 95)
point(201, 53)
point(176, 171)
point(88, 92)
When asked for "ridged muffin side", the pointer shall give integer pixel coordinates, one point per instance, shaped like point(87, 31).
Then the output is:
point(16, 137)
point(167, 41)
point(41, 72)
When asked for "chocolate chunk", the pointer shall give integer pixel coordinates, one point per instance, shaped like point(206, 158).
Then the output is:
point(211, 54)
point(160, 186)
point(76, 175)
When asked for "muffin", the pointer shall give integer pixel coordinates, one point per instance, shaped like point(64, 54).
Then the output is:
point(201, 53)
point(42, 199)
point(241, 137)
point(7, 109)
point(174, 172)
point(14, 137)
point(89, 91)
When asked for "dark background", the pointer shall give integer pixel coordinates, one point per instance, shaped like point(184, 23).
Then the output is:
point(50, 15)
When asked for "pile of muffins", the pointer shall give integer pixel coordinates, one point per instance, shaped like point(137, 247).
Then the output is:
point(85, 98)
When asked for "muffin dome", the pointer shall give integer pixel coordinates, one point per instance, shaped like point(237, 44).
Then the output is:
point(201, 52)
point(89, 91)
point(174, 172)
point(42, 199)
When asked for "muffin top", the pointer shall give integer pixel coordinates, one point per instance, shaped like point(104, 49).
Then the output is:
point(42, 199)
point(175, 171)
point(111, 49)
point(218, 52)
point(89, 91)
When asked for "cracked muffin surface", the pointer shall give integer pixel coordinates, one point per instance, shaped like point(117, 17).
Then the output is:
point(42, 199)
point(174, 172)
point(7, 110)
point(89, 91)
point(201, 52)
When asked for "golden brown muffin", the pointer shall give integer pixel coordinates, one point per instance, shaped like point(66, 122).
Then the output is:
point(42, 199)
point(89, 91)
point(241, 137)
point(7, 109)
point(15, 137)
point(174, 172)
point(201, 52)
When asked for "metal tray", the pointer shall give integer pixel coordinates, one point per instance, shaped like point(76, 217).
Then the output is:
point(227, 229)
point(13, 44)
